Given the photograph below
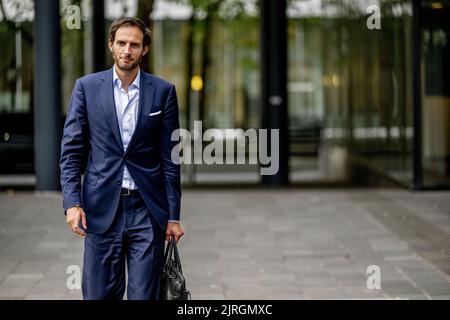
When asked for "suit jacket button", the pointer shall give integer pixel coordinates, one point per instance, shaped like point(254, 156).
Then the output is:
point(119, 182)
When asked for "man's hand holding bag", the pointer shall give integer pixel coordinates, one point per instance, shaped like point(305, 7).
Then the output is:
point(173, 283)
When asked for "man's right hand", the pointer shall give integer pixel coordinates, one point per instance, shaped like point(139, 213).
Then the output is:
point(74, 216)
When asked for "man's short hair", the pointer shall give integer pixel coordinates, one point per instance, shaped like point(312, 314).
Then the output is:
point(130, 22)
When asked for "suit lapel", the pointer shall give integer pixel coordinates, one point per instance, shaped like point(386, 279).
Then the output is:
point(146, 94)
point(109, 106)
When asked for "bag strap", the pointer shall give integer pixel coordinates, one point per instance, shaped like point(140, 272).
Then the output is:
point(172, 251)
point(168, 253)
point(176, 256)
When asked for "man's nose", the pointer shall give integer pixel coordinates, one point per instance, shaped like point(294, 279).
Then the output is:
point(127, 49)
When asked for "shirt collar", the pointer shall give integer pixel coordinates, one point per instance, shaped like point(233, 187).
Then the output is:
point(136, 82)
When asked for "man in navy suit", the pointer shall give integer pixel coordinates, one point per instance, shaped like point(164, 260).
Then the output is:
point(129, 200)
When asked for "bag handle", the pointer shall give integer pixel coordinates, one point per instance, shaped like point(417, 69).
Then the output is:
point(176, 255)
point(172, 250)
point(168, 253)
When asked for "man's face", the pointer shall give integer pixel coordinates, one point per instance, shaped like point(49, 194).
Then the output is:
point(128, 47)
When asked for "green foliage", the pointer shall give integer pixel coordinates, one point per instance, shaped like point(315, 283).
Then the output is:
point(232, 16)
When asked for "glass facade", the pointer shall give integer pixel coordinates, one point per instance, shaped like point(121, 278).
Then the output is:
point(367, 78)
point(351, 76)
point(232, 85)
point(16, 89)
point(233, 82)
point(435, 33)
point(350, 82)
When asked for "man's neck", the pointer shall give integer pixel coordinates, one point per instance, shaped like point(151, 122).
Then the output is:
point(126, 77)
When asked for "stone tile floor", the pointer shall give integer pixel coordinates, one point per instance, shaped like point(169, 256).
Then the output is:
point(257, 244)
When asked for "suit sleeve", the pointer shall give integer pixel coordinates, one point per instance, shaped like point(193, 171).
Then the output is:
point(73, 145)
point(171, 170)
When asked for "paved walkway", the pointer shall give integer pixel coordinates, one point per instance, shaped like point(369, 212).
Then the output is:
point(257, 244)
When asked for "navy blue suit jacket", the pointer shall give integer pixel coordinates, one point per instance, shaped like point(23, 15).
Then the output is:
point(92, 126)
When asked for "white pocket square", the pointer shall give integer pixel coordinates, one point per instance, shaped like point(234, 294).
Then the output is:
point(154, 113)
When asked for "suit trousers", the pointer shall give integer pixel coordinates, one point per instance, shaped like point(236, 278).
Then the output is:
point(134, 240)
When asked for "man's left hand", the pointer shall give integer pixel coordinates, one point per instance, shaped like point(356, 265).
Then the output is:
point(174, 229)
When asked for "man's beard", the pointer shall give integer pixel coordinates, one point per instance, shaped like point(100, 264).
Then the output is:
point(127, 67)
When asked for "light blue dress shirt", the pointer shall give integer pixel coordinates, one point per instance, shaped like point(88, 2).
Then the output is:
point(127, 105)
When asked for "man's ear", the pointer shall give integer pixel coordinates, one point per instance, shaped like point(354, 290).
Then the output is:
point(145, 51)
point(110, 44)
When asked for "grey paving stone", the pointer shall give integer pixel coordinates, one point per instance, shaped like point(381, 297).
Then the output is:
point(316, 293)
point(399, 287)
point(442, 297)
point(73, 295)
point(208, 296)
point(247, 244)
point(44, 296)
point(48, 288)
point(17, 286)
point(7, 265)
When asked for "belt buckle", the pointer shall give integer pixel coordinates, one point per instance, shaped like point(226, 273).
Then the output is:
point(128, 192)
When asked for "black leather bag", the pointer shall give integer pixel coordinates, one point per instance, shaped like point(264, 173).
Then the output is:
point(173, 284)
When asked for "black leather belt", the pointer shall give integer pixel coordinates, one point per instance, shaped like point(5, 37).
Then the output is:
point(128, 192)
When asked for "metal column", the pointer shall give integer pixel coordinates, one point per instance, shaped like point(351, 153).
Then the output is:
point(274, 82)
point(47, 80)
point(417, 97)
point(98, 36)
